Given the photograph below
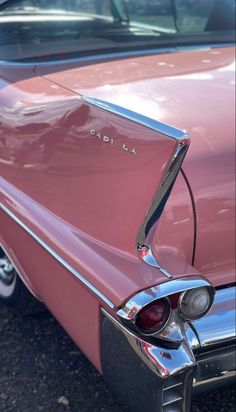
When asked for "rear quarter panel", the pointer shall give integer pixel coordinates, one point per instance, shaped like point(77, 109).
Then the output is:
point(83, 197)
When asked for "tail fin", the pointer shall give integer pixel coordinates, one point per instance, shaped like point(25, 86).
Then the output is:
point(155, 153)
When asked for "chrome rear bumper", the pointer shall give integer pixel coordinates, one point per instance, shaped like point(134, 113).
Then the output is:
point(218, 326)
point(152, 376)
point(214, 369)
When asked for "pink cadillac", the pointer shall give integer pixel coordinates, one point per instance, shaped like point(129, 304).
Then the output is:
point(117, 186)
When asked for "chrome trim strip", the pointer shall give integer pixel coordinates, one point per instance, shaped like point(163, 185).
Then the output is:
point(171, 401)
point(163, 191)
point(144, 237)
point(150, 259)
point(96, 58)
point(56, 256)
point(175, 385)
point(137, 118)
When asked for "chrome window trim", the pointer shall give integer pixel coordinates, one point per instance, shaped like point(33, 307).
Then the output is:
point(57, 257)
point(115, 55)
point(182, 139)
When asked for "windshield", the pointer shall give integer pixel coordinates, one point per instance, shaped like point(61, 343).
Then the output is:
point(38, 30)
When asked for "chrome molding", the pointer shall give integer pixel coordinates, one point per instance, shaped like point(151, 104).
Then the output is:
point(144, 243)
point(163, 191)
point(58, 258)
point(177, 393)
point(144, 240)
point(98, 58)
point(138, 118)
point(150, 259)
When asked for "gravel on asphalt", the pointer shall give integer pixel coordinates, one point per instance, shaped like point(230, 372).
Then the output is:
point(41, 369)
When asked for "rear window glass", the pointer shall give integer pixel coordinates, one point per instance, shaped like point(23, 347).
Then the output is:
point(35, 30)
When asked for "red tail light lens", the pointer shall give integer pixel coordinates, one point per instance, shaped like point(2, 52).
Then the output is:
point(153, 317)
point(174, 300)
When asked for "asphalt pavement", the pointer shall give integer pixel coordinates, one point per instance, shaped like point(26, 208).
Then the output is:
point(41, 369)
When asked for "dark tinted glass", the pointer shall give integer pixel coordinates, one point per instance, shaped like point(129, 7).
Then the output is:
point(33, 30)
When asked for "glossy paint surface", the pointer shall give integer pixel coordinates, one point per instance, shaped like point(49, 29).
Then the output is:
point(192, 91)
point(87, 198)
point(83, 179)
point(84, 197)
point(71, 303)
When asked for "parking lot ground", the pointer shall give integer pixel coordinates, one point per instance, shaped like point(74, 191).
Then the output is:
point(41, 369)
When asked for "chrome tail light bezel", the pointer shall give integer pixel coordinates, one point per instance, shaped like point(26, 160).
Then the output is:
point(129, 312)
point(211, 294)
point(155, 330)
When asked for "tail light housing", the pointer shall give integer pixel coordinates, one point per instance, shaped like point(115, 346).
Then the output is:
point(153, 317)
point(195, 303)
point(162, 309)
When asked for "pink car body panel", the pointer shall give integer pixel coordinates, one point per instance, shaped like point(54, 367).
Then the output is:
point(192, 91)
point(64, 296)
point(86, 198)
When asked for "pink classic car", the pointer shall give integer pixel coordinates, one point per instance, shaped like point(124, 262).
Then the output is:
point(117, 186)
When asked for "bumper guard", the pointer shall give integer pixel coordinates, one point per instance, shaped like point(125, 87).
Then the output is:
point(151, 376)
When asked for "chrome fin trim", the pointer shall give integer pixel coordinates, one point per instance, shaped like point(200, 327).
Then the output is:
point(150, 259)
point(57, 257)
point(163, 191)
point(144, 238)
point(138, 118)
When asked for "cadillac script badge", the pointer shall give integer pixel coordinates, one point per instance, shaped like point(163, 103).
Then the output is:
point(111, 141)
